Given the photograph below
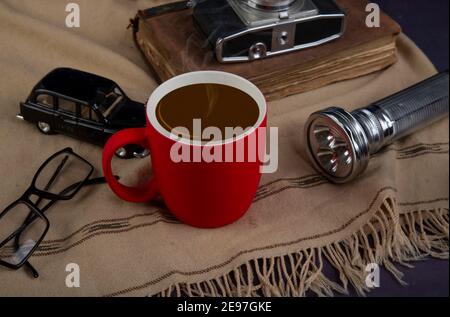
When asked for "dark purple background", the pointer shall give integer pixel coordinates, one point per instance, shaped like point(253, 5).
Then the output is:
point(426, 23)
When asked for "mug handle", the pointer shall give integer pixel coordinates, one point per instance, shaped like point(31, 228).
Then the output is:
point(137, 136)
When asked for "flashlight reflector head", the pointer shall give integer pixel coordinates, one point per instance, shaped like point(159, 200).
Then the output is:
point(336, 144)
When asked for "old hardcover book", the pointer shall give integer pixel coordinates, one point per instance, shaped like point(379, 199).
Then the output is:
point(172, 45)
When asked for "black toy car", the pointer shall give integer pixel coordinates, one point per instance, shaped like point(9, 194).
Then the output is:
point(83, 105)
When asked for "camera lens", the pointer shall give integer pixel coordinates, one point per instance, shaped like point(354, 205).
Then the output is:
point(270, 4)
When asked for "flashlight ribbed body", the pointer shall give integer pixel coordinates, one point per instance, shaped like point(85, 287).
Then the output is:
point(405, 112)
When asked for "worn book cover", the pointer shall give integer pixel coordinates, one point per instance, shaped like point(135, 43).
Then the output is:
point(172, 45)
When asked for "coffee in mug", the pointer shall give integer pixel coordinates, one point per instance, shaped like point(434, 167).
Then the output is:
point(215, 105)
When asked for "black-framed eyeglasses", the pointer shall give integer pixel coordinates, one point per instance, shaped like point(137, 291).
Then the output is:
point(23, 224)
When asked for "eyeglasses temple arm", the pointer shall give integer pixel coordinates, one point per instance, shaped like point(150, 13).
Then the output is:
point(89, 182)
point(52, 179)
point(98, 180)
point(32, 270)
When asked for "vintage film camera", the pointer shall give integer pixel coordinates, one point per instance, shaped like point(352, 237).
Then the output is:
point(245, 30)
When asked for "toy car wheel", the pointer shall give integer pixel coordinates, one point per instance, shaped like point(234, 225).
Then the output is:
point(132, 151)
point(44, 127)
point(122, 153)
point(141, 153)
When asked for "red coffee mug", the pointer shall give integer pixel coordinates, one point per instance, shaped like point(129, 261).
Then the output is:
point(200, 193)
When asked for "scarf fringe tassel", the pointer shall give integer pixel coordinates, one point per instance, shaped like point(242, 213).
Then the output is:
point(389, 240)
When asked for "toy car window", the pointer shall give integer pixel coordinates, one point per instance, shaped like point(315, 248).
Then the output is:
point(88, 114)
point(67, 106)
point(85, 112)
point(45, 100)
point(94, 116)
point(109, 101)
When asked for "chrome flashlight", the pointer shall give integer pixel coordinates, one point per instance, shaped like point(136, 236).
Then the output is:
point(340, 143)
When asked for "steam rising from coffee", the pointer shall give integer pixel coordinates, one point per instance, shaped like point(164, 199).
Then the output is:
point(216, 105)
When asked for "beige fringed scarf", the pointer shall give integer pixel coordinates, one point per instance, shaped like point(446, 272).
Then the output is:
point(396, 213)
point(386, 239)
